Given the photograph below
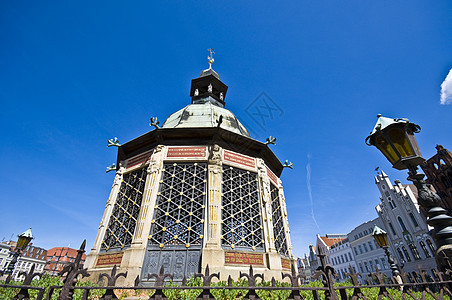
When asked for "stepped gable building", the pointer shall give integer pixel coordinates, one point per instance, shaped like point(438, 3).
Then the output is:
point(406, 226)
point(197, 191)
point(439, 173)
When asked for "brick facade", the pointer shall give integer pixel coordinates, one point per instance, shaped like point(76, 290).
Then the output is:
point(439, 173)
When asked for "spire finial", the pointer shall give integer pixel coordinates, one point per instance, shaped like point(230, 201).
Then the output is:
point(210, 57)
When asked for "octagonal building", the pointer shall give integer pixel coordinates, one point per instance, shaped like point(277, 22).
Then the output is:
point(197, 191)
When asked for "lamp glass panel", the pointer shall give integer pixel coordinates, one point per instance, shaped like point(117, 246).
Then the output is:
point(382, 240)
point(401, 142)
point(413, 142)
point(383, 145)
point(22, 242)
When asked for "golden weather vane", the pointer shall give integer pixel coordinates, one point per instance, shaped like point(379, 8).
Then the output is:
point(210, 57)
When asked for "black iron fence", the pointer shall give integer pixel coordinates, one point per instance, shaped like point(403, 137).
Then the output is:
point(251, 286)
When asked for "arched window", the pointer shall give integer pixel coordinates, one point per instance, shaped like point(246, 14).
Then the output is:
point(414, 251)
point(366, 266)
point(424, 248)
point(402, 224)
point(400, 254)
point(392, 228)
point(416, 224)
point(371, 264)
point(431, 246)
point(408, 257)
point(361, 267)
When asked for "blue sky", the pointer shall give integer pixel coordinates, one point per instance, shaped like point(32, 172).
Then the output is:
point(74, 74)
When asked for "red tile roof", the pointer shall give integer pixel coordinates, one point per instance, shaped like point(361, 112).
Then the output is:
point(330, 241)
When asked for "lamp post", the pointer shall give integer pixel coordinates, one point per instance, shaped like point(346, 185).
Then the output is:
point(22, 242)
point(381, 237)
point(395, 139)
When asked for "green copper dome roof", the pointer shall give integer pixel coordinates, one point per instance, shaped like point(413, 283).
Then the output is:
point(205, 114)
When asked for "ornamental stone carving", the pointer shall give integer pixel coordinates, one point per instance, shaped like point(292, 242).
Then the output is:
point(215, 155)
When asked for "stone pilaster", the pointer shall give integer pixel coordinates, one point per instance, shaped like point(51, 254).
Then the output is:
point(150, 195)
point(213, 255)
point(266, 206)
point(90, 260)
point(285, 222)
point(134, 256)
point(214, 198)
point(274, 259)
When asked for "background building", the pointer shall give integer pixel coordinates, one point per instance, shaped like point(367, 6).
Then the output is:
point(439, 173)
point(405, 225)
point(368, 256)
point(342, 258)
point(304, 267)
point(30, 255)
point(59, 257)
point(324, 244)
point(314, 262)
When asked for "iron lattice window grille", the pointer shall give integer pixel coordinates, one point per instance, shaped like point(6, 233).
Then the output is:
point(125, 212)
point(241, 214)
point(179, 211)
point(278, 224)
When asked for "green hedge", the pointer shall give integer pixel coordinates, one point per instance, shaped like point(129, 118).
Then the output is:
point(47, 281)
point(188, 294)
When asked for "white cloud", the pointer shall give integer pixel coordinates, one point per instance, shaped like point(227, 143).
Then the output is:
point(446, 89)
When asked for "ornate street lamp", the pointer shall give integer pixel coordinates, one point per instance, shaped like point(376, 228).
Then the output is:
point(22, 242)
point(381, 237)
point(395, 139)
